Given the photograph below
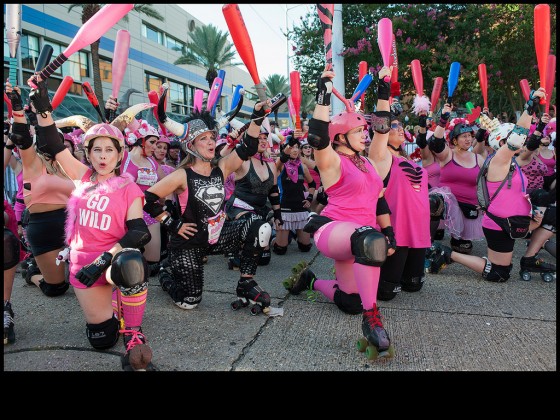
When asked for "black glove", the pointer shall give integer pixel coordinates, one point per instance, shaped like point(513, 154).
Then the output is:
point(481, 135)
point(283, 156)
point(443, 119)
point(89, 274)
point(292, 141)
point(324, 91)
point(390, 234)
point(421, 140)
point(278, 216)
point(322, 197)
point(422, 121)
point(172, 224)
point(383, 89)
point(540, 126)
point(15, 99)
point(40, 98)
point(532, 104)
point(21, 136)
point(172, 209)
point(31, 116)
point(257, 116)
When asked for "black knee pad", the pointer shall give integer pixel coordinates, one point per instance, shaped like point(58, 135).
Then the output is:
point(129, 270)
point(303, 247)
point(279, 250)
point(11, 249)
point(369, 246)
point(349, 303)
point(104, 335)
point(412, 284)
point(258, 237)
point(387, 290)
point(437, 205)
point(53, 290)
point(549, 218)
point(264, 259)
point(496, 273)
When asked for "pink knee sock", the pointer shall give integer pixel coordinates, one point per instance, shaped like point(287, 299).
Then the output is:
point(133, 308)
point(367, 280)
point(326, 287)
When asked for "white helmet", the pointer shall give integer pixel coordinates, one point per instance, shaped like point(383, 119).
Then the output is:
point(499, 134)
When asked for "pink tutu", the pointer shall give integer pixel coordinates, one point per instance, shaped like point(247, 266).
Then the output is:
point(453, 220)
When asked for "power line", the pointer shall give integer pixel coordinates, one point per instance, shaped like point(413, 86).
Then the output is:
point(282, 37)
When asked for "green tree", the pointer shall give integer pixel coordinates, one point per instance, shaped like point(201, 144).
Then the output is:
point(88, 10)
point(210, 49)
point(499, 35)
point(275, 84)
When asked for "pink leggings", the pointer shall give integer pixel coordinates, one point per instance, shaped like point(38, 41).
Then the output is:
point(333, 240)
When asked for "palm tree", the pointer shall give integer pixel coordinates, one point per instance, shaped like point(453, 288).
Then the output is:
point(307, 105)
point(88, 10)
point(210, 49)
point(276, 83)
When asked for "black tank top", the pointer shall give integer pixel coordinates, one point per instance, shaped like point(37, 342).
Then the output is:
point(292, 192)
point(206, 200)
point(251, 189)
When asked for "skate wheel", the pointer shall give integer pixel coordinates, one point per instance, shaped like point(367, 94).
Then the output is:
point(525, 276)
point(547, 277)
point(288, 283)
point(255, 310)
point(237, 304)
point(371, 352)
point(361, 344)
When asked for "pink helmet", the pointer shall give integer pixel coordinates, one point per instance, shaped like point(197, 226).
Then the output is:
point(142, 131)
point(163, 139)
point(344, 122)
point(103, 130)
point(550, 127)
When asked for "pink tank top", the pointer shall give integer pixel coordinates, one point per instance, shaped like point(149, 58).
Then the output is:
point(48, 189)
point(407, 196)
point(145, 177)
point(434, 172)
point(354, 197)
point(534, 172)
point(19, 180)
point(550, 165)
point(315, 177)
point(460, 180)
point(509, 201)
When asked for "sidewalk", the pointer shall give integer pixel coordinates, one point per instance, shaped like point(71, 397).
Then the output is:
point(457, 322)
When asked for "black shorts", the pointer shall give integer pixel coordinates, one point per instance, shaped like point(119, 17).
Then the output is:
point(404, 263)
point(45, 231)
point(498, 240)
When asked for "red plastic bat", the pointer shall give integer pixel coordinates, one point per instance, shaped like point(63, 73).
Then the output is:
point(362, 71)
point(417, 78)
point(525, 89)
point(542, 39)
point(436, 91)
point(550, 79)
point(61, 91)
point(483, 83)
point(120, 59)
point(93, 99)
point(244, 46)
point(90, 32)
point(394, 61)
point(295, 87)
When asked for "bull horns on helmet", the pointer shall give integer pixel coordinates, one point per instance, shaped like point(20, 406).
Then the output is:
point(75, 121)
point(177, 129)
point(124, 119)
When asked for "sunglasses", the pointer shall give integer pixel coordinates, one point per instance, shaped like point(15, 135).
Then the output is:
point(396, 126)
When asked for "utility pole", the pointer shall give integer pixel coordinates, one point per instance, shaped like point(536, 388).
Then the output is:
point(338, 60)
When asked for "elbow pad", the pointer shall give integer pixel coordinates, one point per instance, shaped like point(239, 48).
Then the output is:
point(312, 184)
point(274, 199)
point(437, 145)
point(152, 206)
point(318, 135)
point(421, 141)
point(382, 207)
point(137, 235)
point(248, 147)
point(21, 136)
point(49, 141)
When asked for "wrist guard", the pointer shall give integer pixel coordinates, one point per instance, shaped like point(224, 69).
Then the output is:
point(248, 147)
point(421, 141)
point(152, 206)
point(481, 135)
point(381, 121)
point(318, 135)
point(324, 91)
point(31, 116)
point(89, 274)
point(532, 104)
point(437, 144)
point(172, 225)
point(21, 136)
point(390, 234)
point(422, 121)
point(49, 141)
point(533, 142)
point(278, 216)
point(443, 120)
point(15, 99)
point(540, 126)
point(383, 90)
point(257, 117)
point(312, 184)
point(40, 98)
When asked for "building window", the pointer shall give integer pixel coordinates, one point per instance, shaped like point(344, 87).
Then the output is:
point(177, 98)
point(152, 33)
point(174, 45)
point(153, 82)
point(106, 70)
point(77, 66)
point(29, 51)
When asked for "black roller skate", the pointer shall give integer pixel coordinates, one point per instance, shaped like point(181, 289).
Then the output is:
point(439, 257)
point(305, 282)
point(376, 342)
point(165, 276)
point(462, 246)
point(9, 333)
point(138, 355)
point(533, 264)
point(248, 291)
point(294, 275)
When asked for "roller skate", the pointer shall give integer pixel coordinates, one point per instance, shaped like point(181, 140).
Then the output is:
point(462, 246)
point(165, 277)
point(439, 257)
point(138, 356)
point(294, 275)
point(248, 291)
point(375, 343)
point(234, 262)
point(9, 333)
point(533, 264)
